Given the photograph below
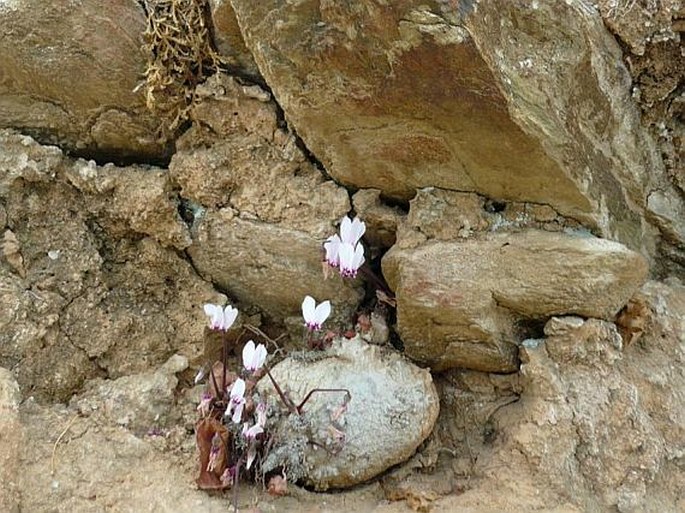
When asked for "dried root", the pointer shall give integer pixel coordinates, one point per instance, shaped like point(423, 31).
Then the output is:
point(180, 56)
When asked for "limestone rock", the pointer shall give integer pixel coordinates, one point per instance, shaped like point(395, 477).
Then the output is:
point(463, 303)
point(99, 293)
point(228, 39)
point(247, 162)
point(381, 220)
point(504, 114)
point(68, 74)
point(267, 265)
point(136, 197)
point(11, 441)
point(393, 408)
point(263, 210)
point(139, 402)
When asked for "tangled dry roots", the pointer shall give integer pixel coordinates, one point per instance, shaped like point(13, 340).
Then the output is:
point(180, 55)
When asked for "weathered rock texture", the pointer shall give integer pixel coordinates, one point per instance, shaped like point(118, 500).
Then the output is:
point(265, 210)
point(67, 75)
point(524, 102)
point(93, 282)
point(597, 426)
point(393, 408)
point(11, 440)
point(140, 402)
point(464, 303)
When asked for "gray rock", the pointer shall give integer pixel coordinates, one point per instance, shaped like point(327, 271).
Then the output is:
point(393, 408)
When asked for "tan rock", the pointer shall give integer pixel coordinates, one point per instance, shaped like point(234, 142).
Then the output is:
point(461, 303)
point(100, 294)
point(504, 112)
point(69, 73)
point(229, 40)
point(381, 219)
point(268, 266)
point(11, 441)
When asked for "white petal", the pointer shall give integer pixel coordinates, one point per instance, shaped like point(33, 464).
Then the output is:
point(332, 245)
point(345, 229)
point(238, 413)
point(346, 256)
point(230, 314)
point(322, 312)
point(251, 455)
point(358, 259)
point(308, 306)
point(248, 355)
point(357, 231)
point(238, 388)
point(260, 356)
point(214, 314)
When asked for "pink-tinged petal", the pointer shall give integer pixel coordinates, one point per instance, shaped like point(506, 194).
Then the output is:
point(252, 432)
point(260, 356)
point(308, 309)
point(238, 413)
point(230, 314)
point(322, 312)
point(332, 245)
point(261, 414)
point(248, 355)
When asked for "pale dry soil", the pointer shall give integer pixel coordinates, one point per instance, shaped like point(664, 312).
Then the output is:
point(71, 463)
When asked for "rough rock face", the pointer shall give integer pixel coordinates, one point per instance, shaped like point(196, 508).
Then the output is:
point(548, 119)
point(67, 75)
point(589, 425)
point(91, 286)
point(140, 402)
point(463, 303)
point(393, 408)
point(229, 40)
point(11, 438)
point(263, 211)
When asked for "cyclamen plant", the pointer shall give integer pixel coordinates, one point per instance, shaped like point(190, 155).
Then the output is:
point(233, 418)
point(345, 252)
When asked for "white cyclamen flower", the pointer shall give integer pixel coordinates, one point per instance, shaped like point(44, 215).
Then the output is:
point(351, 259)
point(314, 316)
point(236, 402)
point(253, 358)
point(332, 245)
point(220, 318)
point(261, 414)
point(351, 231)
point(251, 433)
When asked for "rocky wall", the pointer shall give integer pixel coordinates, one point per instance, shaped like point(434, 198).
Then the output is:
point(518, 165)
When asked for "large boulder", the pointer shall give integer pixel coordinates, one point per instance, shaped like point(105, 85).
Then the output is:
point(466, 303)
point(513, 100)
point(68, 71)
point(392, 408)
